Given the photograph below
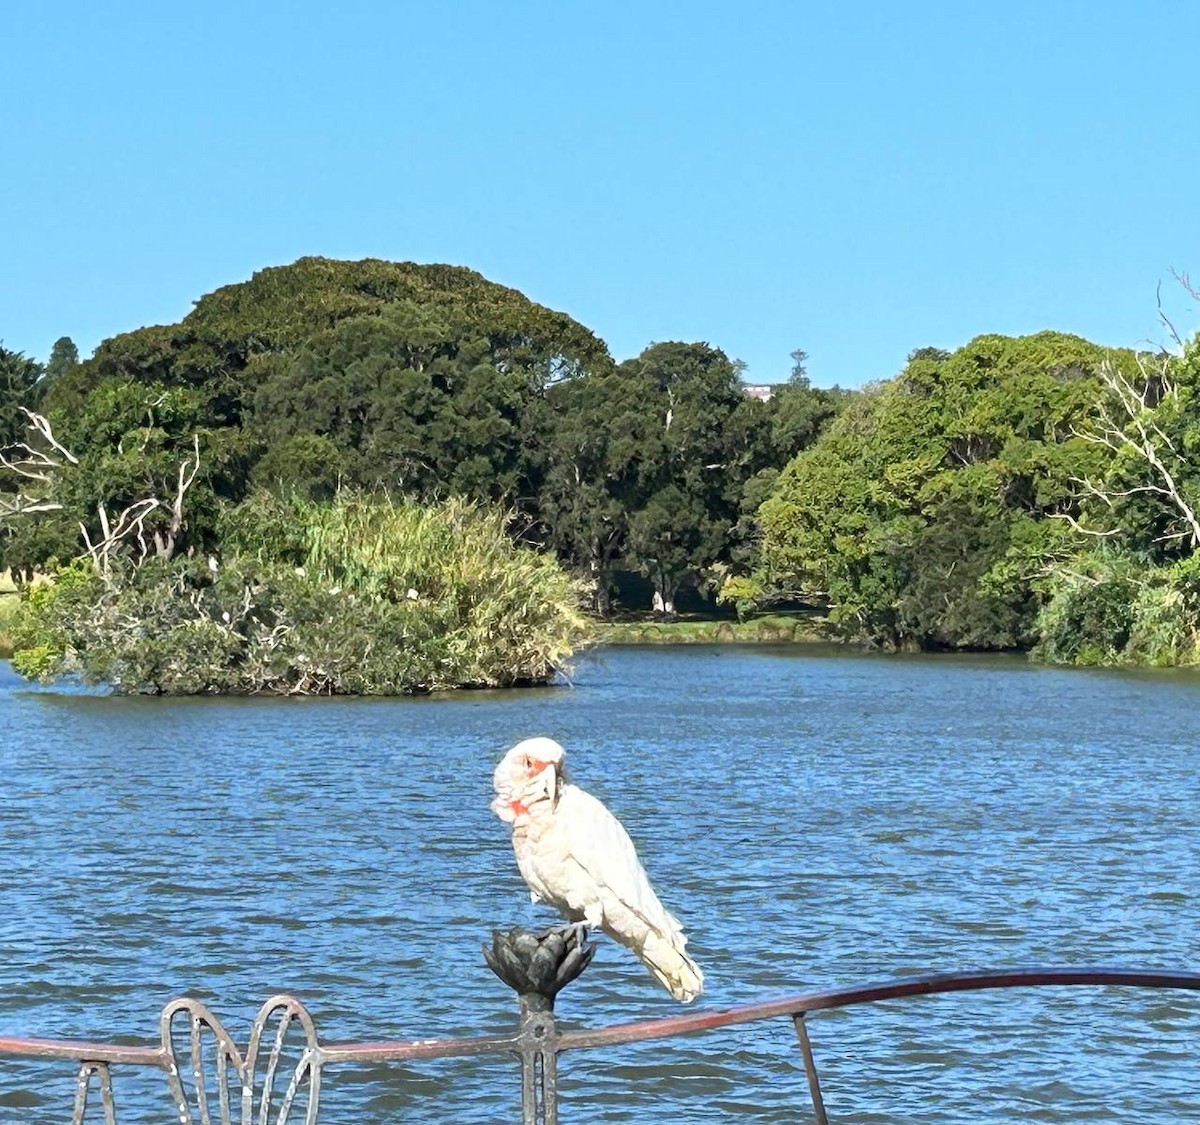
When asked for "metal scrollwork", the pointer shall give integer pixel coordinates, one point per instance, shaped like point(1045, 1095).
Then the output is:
point(83, 1086)
point(253, 1081)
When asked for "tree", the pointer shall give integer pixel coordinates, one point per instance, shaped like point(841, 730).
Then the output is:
point(1147, 424)
point(428, 379)
point(233, 335)
point(590, 478)
point(64, 358)
point(672, 537)
point(412, 399)
point(800, 411)
point(19, 377)
point(1129, 590)
point(688, 471)
point(923, 514)
point(658, 466)
point(117, 475)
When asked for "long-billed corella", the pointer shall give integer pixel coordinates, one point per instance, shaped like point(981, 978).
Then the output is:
point(576, 856)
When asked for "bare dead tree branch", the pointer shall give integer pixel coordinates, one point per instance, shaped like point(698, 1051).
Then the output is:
point(41, 424)
point(129, 528)
point(1127, 425)
point(1186, 282)
point(17, 504)
point(1074, 522)
point(1164, 319)
point(32, 463)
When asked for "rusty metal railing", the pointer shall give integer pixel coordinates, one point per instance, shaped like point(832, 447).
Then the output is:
point(277, 1078)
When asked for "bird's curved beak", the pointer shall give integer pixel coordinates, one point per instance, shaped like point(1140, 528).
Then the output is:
point(547, 775)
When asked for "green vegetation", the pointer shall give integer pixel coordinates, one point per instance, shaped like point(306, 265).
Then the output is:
point(19, 377)
point(775, 628)
point(425, 381)
point(333, 435)
point(363, 596)
point(918, 511)
point(9, 608)
point(1036, 492)
point(657, 466)
point(1131, 593)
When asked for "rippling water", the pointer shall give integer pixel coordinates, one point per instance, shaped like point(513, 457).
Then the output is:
point(814, 817)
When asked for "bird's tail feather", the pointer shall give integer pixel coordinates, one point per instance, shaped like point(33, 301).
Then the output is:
point(667, 959)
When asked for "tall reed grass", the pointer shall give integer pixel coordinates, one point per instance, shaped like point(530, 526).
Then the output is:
point(504, 613)
point(363, 596)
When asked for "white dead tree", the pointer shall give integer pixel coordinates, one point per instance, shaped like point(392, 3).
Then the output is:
point(40, 465)
point(37, 468)
point(1127, 424)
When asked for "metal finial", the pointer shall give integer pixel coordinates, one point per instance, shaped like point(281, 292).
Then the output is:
point(539, 965)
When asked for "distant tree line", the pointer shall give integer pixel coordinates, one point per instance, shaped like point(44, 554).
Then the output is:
point(1019, 493)
point(426, 382)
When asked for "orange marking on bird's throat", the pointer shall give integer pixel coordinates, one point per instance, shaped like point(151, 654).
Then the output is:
point(518, 808)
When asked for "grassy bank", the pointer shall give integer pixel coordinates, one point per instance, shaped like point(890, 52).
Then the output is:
point(8, 610)
point(777, 628)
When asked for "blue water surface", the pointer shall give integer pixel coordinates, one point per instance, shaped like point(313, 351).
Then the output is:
point(814, 816)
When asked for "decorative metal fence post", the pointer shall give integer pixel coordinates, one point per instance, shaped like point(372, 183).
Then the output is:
point(537, 967)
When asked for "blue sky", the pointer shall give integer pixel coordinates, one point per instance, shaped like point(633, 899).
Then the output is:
point(857, 179)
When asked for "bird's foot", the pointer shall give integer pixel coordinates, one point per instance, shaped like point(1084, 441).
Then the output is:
point(578, 930)
point(539, 964)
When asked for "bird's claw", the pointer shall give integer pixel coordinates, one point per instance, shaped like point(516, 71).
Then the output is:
point(539, 963)
point(576, 930)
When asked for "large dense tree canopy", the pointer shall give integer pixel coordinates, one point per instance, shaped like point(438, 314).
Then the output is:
point(926, 512)
point(414, 399)
point(427, 382)
point(423, 380)
point(223, 343)
point(649, 465)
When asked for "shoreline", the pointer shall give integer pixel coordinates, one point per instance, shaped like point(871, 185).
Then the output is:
point(769, 629)
point(8, 598)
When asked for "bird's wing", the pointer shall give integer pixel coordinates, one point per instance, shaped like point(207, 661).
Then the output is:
point(598, 842)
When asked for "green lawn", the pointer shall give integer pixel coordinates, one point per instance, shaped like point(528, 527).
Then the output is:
point(8, 609)
point(774, 627)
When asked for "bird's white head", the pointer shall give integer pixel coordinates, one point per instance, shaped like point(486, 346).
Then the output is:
point(528, 775)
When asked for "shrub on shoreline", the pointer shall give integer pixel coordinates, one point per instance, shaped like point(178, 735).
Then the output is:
point(365, 596)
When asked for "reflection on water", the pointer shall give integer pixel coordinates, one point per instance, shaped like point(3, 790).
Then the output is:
point(814, 818)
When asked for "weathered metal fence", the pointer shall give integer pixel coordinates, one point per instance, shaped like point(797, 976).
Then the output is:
point(277, 1078)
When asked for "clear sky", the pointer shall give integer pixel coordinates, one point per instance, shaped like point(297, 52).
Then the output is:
point(855, 178)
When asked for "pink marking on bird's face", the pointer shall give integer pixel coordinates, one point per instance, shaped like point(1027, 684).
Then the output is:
point(534, 767)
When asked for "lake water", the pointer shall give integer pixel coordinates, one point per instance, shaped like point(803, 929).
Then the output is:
point(815, 817)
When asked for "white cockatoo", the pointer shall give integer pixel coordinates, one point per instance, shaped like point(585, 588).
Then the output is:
point(576, 856)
